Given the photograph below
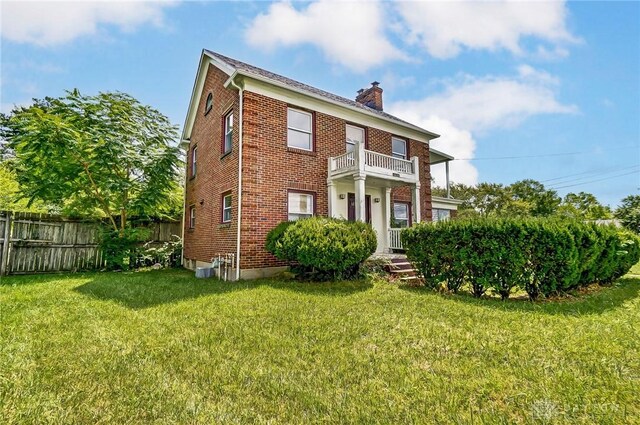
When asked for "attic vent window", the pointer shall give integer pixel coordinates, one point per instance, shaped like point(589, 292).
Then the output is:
point(209, 104)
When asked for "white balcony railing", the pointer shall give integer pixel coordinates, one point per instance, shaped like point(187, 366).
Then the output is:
point(379, 160)
point(374, 162)
point(394, 238)
point(341, 162)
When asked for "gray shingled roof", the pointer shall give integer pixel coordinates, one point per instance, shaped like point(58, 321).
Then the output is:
point(301, 86)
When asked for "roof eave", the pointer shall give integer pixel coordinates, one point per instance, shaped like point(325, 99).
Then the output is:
point(248, 74)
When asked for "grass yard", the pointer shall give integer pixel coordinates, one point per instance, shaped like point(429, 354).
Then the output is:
point(164, 347)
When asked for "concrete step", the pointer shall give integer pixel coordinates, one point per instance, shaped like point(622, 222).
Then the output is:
point(403, 271)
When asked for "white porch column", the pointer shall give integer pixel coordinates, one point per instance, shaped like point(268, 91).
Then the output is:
point(386, 194)
point(359, 180)
point(446, 169)
point(331, 196)
point(415, 201)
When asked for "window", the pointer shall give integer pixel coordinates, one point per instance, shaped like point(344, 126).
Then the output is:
point(228, 133)
point(399, 148)
point(226, 208)
point(300, 205)
point(299, 129)
point(209, 104)
point(400, 215)
point(354, 135)
point(192, 217)
point(439, 214)
point(194, 159)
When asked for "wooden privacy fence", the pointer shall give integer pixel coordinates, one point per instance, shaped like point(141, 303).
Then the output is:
point(44, 243)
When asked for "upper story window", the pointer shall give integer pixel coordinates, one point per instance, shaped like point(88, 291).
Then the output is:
point(226, 208)
point(399, 148)
point(400, 215)
point(192, 217)
point(228, 133)
point(194, 161)
point(209, 104)
point(354, 135)
point(300, 205)
point(299, 129)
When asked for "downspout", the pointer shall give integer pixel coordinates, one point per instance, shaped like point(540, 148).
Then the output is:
point(240, 93)
point(184, 199)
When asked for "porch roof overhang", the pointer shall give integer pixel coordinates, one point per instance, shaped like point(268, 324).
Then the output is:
point(438, 157)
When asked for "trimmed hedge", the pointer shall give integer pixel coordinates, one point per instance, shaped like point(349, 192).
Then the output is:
point(540, 256)
point(323, 248)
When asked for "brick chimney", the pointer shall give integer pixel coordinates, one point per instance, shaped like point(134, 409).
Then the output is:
point(371, 97)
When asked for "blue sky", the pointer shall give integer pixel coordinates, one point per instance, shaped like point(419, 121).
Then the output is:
point(555, 84)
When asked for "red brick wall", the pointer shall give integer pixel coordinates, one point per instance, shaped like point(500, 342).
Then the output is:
point(271, 169)
point(215, 174)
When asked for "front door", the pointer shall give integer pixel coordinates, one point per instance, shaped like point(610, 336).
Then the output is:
point(351, 210)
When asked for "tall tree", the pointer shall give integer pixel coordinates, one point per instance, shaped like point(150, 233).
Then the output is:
point(583, 206)
point(629, 213)
point(532, 196)
point(105, 153)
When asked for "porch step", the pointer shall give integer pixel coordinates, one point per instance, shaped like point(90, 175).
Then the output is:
point(409, 278)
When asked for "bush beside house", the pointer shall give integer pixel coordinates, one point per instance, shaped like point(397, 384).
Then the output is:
point(541, 257)
point(323, 248)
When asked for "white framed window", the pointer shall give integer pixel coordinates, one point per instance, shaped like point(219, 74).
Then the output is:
point(192, 217)
point(300, 205)
point(398, 148)
point(354, 135)
point(400, 215)
point(194, 161)
point(228, 133)
point(299, 129)
point(439, 214)
point(226, 208)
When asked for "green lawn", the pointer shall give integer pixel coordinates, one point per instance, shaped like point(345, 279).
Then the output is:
point(164, 347)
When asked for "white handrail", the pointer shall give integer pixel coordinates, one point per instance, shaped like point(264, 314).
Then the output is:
point(395, 242)
point(388, 162)
point(345, 160)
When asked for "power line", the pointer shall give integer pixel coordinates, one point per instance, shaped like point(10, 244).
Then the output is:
point(596, 180)
point(486, 158)
point(589, 174)
point(597, 170)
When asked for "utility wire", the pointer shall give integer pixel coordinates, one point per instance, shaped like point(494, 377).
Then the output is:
point(596, 180)
point(543, 155)
point(597, 170)
point(565, 180)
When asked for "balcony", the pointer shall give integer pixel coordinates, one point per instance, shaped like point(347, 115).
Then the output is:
point(373, 164)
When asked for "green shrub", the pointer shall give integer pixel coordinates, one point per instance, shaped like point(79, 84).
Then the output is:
point(326, 247)
point(539, 256)
point(275, 234)
point(121, 248)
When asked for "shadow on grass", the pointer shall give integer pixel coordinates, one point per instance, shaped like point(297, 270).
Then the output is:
point(147, 289)
point(606, 299)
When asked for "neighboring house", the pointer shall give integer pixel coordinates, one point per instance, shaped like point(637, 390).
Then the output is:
point(302, 152)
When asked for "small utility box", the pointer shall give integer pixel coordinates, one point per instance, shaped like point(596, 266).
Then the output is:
point(204, 272)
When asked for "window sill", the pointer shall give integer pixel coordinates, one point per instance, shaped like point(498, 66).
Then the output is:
point(192, 177)
point(226, 155)
point(301, 151)
point(191, 229)
point(224, 225)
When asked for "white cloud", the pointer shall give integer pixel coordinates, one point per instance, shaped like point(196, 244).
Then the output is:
point(470, 104)
point(445, 28)
point(479, 104)
point(52, 23)
point(348, 33)
point(456, 142)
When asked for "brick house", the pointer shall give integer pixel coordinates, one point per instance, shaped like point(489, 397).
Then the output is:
point(301, 151)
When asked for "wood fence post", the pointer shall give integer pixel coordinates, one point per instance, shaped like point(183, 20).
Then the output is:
point(4, 255)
